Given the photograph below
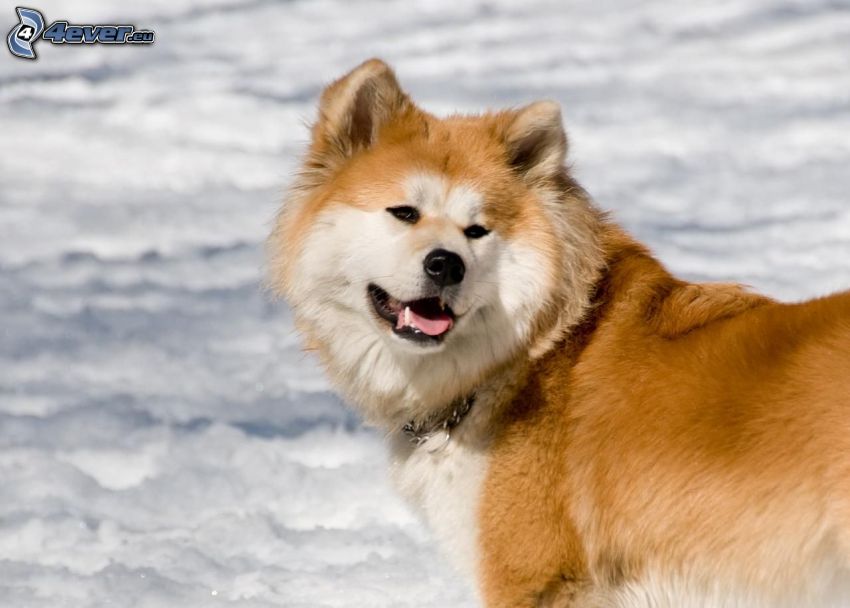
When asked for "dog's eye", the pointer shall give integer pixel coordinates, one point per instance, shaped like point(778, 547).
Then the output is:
point(405, 214)
point(475, 231)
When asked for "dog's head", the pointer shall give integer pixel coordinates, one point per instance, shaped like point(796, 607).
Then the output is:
point(418, 254)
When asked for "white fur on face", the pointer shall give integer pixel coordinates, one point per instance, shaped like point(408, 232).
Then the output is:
point(348, 248)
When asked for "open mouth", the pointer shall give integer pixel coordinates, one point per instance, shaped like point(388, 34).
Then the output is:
point(426, 320)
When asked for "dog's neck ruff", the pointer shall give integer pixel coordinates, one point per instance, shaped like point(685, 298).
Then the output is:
point(436, 431)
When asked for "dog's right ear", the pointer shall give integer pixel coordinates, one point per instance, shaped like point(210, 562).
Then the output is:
point(353, 110)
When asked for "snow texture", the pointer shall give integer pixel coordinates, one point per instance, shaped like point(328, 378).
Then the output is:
point(163, 442)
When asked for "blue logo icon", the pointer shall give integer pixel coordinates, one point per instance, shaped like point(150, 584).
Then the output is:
point(23, 36)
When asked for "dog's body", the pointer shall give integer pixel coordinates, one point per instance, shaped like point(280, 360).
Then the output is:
point(633, 440)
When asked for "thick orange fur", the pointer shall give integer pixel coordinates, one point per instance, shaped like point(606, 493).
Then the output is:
point(645, 427)
point(683, 427)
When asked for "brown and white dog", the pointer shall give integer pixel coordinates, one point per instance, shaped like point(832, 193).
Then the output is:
point(577, 426)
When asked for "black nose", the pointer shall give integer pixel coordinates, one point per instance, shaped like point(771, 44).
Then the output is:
point(444, 267)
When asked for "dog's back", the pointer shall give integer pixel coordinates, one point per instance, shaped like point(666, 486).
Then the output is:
point(702, 441)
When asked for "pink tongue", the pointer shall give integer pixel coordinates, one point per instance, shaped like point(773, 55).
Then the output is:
point(432, 327)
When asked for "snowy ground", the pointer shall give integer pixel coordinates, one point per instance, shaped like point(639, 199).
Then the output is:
point(162, 441)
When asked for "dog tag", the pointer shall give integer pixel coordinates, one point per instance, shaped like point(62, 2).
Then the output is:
point(436, 442)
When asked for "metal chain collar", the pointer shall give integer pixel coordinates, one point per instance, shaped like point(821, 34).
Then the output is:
point(422, 432)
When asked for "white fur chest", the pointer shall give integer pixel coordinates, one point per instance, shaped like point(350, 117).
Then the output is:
point(445, 486)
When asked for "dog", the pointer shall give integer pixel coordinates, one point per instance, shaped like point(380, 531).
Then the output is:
point(578, 427)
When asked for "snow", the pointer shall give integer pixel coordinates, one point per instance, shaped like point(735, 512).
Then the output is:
point(163, 442)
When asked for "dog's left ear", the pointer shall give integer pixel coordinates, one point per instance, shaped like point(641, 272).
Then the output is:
point(536, 142)
point(353, 110)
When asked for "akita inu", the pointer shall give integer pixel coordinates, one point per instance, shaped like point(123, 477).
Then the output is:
point(578, 427)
